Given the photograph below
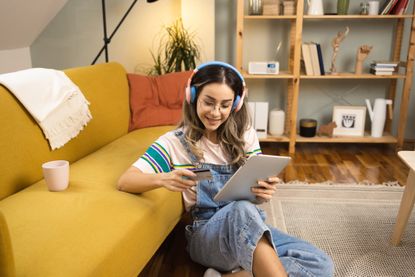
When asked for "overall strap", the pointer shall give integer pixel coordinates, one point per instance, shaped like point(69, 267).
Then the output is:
point(180, 135)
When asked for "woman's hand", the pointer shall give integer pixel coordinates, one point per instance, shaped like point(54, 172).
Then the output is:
point(265, 189)
point(178, 180)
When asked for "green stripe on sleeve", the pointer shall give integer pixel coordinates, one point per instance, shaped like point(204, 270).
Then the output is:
point(254, 152)
point(159, 159)
point(150, 163)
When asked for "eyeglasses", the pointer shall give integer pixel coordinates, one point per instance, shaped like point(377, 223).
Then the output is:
point(209, 104)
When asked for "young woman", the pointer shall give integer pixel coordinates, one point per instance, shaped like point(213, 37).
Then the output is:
point(216, 134)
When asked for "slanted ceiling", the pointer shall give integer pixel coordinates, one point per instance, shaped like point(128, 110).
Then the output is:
point(21, 21)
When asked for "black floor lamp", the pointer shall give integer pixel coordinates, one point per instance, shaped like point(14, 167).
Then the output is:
point(107, 39)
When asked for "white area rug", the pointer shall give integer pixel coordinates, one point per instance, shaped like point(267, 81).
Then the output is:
point(352, 223)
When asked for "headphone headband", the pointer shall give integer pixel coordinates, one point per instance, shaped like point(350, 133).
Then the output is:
point(191, 91)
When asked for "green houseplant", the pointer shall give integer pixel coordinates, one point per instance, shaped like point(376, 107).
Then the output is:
point(177, 50)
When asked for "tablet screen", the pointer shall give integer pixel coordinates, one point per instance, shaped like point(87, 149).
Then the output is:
point(256, 168)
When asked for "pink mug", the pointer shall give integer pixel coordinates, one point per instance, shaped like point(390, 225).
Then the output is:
point(56, 174)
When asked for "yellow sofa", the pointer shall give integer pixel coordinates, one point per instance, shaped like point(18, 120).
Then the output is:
point(91, 229)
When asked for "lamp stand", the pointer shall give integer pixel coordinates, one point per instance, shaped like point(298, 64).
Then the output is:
point(107, 39)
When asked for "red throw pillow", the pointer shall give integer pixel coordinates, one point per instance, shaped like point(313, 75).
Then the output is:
point(156, 100)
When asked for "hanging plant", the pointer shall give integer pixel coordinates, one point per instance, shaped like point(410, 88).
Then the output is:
point(177, 50)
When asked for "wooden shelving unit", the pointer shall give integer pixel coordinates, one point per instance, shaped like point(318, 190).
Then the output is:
point(387, 138)
point(360, 17)
point(294, 76)
point(345, 75)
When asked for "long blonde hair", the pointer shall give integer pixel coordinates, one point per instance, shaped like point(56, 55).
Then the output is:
point(230, 134)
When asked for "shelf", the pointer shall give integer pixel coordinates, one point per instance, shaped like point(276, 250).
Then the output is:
point(357, 16)
point(387, 138)
point(351, 16)
point(271, 138)
point(281, 75)
point(347, 75)
point(278, 17)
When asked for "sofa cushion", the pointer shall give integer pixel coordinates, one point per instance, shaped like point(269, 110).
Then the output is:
point(156, 100)
point(91, 229)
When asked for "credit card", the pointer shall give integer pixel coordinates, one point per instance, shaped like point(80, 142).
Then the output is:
point(202, 174)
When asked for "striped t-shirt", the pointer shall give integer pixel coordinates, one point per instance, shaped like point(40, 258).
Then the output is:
point(168, 153)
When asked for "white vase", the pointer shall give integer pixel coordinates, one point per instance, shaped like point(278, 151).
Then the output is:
point(315, 7)
point(276, 122)
point(378, 115)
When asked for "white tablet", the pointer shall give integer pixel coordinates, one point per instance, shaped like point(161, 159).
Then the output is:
point(256, 168)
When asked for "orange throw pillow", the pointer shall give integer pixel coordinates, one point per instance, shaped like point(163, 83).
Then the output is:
point(156, 100)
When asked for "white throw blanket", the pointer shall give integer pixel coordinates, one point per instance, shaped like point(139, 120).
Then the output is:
point(54, 101)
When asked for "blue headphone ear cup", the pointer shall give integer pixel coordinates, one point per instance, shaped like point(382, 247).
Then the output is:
point(192, 94)
point(236, 102)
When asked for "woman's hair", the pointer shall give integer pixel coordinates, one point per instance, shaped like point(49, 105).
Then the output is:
point(231, 132)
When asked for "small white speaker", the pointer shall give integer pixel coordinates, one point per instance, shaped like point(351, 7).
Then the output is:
point(263, 67)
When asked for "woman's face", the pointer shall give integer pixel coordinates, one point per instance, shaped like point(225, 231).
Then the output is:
point(214, 106)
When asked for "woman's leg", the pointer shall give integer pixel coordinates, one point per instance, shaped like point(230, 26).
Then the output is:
point(228, 239)
point(234, 237)
point(301, 258)
point(266, 261)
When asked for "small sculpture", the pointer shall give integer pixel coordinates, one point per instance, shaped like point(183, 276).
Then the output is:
point(327, 130)
point(362, 53)
point(364, 8)
point(336, 45)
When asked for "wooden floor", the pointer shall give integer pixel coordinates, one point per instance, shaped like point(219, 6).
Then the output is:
point(313, 163)
point(344, 163)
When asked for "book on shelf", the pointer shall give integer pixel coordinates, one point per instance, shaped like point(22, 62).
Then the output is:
point(314, 58)
point(320, 59)
point(386, 7)
point(382, 8)
point(383, 68)
point(305, 51)
point(385, 63)
point(380, 72)
point(400, 7)
point(393, 6)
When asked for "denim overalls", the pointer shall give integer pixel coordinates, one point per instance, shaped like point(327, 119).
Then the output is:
point(224, 235)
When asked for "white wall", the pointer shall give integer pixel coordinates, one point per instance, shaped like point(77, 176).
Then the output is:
point(199, 17)
point(74, 37)
point(22, 20)
point(132, 43)
point(15, 59)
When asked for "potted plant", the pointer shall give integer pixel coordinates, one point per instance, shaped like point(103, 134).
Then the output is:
point(177, 50)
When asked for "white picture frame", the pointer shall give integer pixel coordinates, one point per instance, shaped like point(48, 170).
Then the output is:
point(350, 120)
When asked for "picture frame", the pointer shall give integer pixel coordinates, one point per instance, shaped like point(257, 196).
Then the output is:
point(350, 120)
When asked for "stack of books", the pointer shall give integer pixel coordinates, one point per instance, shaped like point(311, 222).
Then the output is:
point(383, 68)
point(397, 7)
point(289, 7)
point(271, 7)
point(313, 58)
